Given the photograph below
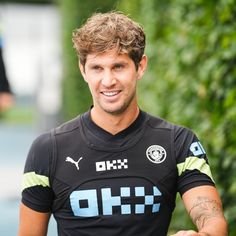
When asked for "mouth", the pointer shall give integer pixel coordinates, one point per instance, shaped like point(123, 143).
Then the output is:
point(110, 93)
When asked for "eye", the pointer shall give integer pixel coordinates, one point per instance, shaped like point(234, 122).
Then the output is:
point(97, 68)
point(118, 66)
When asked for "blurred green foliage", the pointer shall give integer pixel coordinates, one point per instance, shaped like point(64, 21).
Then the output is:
point(191, 79)
point(191, 76)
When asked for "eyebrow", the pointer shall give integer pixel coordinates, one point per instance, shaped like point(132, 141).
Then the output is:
point(121, 63)
point(94, 64)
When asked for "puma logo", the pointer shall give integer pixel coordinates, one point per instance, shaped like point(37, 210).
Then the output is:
point(76, 163)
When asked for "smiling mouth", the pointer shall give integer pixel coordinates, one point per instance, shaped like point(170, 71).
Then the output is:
point(110, 93)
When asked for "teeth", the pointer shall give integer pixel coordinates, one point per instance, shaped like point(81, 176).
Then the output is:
point(109, 94)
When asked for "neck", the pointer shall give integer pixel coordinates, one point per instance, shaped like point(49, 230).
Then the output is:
point(114, 123)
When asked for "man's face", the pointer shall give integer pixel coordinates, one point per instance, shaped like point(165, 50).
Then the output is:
point(112, 79)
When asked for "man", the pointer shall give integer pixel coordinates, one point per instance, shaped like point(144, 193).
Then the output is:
point(116, 169)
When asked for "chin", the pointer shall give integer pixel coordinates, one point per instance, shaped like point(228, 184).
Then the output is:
point(117, 111)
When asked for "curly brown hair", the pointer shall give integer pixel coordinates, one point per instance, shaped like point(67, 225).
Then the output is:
point(107, 31)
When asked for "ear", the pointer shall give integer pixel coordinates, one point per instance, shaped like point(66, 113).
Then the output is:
point(142, 66)
point(82, 70)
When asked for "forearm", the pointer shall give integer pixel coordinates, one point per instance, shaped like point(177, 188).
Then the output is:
point(217, 227)
point(205, 209)
point(208, 217)
point(214, 227)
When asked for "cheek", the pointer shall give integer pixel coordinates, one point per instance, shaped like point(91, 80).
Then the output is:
point(129, 78)
point(133, 80)
point(92, 84)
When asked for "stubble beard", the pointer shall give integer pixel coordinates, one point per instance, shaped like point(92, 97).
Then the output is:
point(123, 107)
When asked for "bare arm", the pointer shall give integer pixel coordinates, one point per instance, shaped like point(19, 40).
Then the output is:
point(205, 209)
point(32, 223)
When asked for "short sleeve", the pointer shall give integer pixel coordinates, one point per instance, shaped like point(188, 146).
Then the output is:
point(36, 191)
point(192, 163)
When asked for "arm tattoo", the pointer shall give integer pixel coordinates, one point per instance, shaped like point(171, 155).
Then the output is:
point(204, 209)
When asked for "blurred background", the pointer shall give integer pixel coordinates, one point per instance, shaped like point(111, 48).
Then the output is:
point(191, 81)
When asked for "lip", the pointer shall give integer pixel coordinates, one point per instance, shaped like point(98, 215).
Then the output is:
point(111, 95)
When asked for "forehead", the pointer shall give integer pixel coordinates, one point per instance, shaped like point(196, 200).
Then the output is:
point(111, 56)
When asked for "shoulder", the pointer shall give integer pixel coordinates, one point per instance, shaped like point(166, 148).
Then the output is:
point(181, 136)
point(41, 150)
point(160, 123)
point(39, 153)
point(68, 126)
point(41, 143)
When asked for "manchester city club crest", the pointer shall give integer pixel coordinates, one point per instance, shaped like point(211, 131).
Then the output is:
point(156, 154)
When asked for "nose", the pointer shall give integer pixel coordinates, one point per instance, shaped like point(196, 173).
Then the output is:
point(108, 79)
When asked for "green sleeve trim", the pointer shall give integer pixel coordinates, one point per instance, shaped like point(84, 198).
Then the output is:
point(196, 163)
point(31, 179)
